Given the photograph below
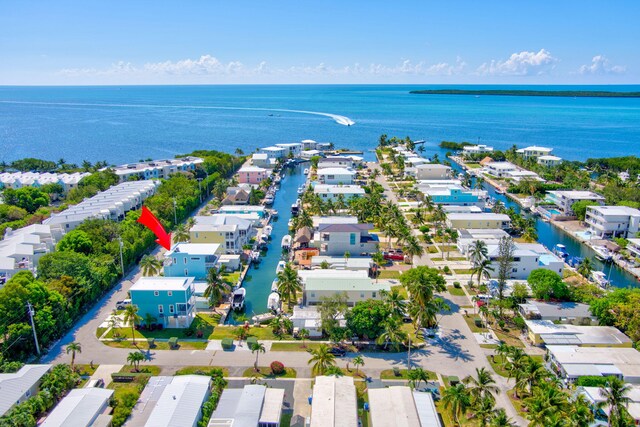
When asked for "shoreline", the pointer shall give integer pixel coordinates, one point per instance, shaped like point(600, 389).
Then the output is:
point(524, 92)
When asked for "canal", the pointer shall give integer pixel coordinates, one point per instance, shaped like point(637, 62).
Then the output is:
point(259, 278)
point(549, 236)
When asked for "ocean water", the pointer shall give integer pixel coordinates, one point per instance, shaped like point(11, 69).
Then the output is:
point(129, 123)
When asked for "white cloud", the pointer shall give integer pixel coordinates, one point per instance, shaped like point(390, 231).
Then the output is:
point(600, 65)
point(520, 64)
point(446, 69)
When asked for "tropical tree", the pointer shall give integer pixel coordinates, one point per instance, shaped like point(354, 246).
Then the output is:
point(132, 317)
point(482, 386)
point(257, 348)
point(357, 362)
point(478, 251)
point(616, 398)
point(304, 335)
point(530, 235)
point(412, 247)
point(500, 419)
point(150, 265)
point(73, 348)
point(216, 286)
point(482, 269)
point(580, 412)
point(395, 302)
point(289, 284)
point(457, 400)
point(416, 376)
point(392, 334)
point(321, 359)
point(149, 319)
point(134, 358)
point(585, 267)
point(483, 409)
point(181, 234)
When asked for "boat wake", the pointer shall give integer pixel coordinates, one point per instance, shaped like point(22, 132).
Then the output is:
point(341, 120)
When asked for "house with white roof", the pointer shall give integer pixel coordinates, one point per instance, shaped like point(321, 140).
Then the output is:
point(171, 300)
point(308, 154)
point(428, 171)
point(400, 406)
point(526, 258)
point(22, 249)
point(156, 169)
point(521, 174)
point(262, 160)
point(633, 246)
point(19, 386)
point(355, 285)
point(597, 401)
point(558, 312)
point(275, 152)
point(534, 151)
point(500, 169)
point(333, 192)
point(414, 161)
point(461, 209)
point(546, 332)
point(565, 199)
point(573, 362)
point(613, 221)
point(17, 180)
point(336, 162)
point(484, 220)
point(454, 195)
point(230, 231)
point(476, 149)
point(334, 402)
point(191, 259)
point(549, 161)
point(334, 219)
point(244, 209)
point(82, 407)
point(342, 263)
point(468, 236)
point(336, 176)
point(253, 405)
point(293, 149)
point(337, 239)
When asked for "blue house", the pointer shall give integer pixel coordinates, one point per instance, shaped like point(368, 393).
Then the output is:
point(454, 196)
point(171, 300)
point(191, 260)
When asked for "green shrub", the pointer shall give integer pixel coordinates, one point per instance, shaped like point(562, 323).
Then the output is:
point(277, 368)
point(457, 285)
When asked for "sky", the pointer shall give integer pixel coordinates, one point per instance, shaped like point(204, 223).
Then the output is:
point(285, 41)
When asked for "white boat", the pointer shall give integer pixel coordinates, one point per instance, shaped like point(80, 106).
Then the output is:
point(286, 241)
point(281, 266)
point(273, 301)
point(274, 213)
point(301, 189)
point(268, 200)
point(602, 253)
point(266, 231)
point(255, 256)
point(306, 171)
point(600, 279)
point(237, 299)
point(560, 250)
point(277, 179)
point(274, 285)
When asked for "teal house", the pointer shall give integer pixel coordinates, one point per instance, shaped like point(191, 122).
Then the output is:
point(445, 195)
point(191, 260)
point(171, 300)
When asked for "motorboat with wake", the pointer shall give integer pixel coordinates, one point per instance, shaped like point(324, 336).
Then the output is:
point(600, 279)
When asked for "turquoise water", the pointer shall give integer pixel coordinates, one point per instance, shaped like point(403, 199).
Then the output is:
point(124, 124)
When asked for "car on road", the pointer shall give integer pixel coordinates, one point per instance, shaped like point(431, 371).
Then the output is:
point(394, 255)
point(121, 305)
point(337, 351)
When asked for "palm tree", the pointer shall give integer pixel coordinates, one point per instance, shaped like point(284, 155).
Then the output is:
point(616, 398)
point(73, 348)
point(482, 387)
point(150, 265)
point(416, 376)
point(413, 247)
point(134, 358)
point(482, 269)
point(478, 251)
point(484, 409)
point(580, 412)
point(181, 234)
point(500, 419)
point(304, 334)
point(132, 318)
point(456, 399)
point(216, 287)
point(289, 284)
point(533, 373)
point(392, 334)
point(530, 235)
point(257, 348)
point(395, 302)
point(149, 320)
point(357, 362)
point(586, 267)
point(321, 359)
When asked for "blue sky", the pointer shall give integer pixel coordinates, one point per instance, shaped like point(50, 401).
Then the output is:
point(284, 41)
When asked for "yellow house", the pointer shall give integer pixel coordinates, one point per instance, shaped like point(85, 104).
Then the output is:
point(485, 220)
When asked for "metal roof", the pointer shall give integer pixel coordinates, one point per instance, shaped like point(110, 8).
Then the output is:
point(334, 402)
point(79, 408)
point(180, 402)
point(14, 386)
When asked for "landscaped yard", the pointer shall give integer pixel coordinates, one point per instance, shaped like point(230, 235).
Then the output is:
point(508, 337)
point(455, 291)
point(471, 323)
point(159, 345)
point(265, 372)
point(388, 374)
point(294, 346)
point(202, 322)
point(463, 270)
point(389, 274)
point(261, 333)
point(201, 370)
point(401, 290)
point(150, 370)
point(473, 165)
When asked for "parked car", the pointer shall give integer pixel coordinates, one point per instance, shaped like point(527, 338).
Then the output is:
point(95, 383)
point(337, 351)
point(121, 305)
point(394, 255)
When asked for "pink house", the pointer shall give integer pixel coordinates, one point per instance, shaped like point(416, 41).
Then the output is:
point(252, 175)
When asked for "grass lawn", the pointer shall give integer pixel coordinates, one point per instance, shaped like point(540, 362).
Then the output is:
point(285, 419)
point(150, 370)
point(265, 372)
point(389, 274)
point(408, 329)
point(388, 374)
point(455, 291)
point(447, 418)
point(509, 338)
point(100, 331)
point(201, 370)
point(203, 322)
point(294, 346)
point(401, 290)
point(453, 258)
point(463, 270)
point(473, 165)
point(433, 250)
point(261, 333)
point(164, 345)
point(471, 323)
point(85, 370)
point(496, 363)
point(363, 397)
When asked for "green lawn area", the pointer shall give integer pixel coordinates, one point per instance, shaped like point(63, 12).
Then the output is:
point(261, 333)
point(432, 250)
point(202, 322)
point(150, 370)
point(453, 258)
point(388, 374)
point(100, 331)
point(473, 165)
point(496, 364)
point(231, 278)
point(162, 345)
point(265, 372)
point(455, 291)
point(285, 419)
point(508, 337)
point(408, 329)
point(363, 396)
point(471, 323)
point(401, 290)
point(85, 370)
point(294, 346)
point(463, 270)
point(201, 370)
point(389, 274)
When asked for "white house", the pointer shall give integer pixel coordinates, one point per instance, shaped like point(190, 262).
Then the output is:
point(17, 180)
point(355, 284)
point(500, 169)
point(252, 405)
point(573, 362)
point(613, 221)
point(22, 249)
point(293, 149)
point(484, 220)
point(262, 160)
point(400, 406)
point(156, 169)
point(476, 149)
point(17, 387)
point(429, 171)
point(336, 176)
point(334, 402)
point(337, 239)
point(526, 258)
point(546, 332)
point(549, 160)
point(275, 152)
point(534, 151)
point(230, 231)
point(333, 192)
point(468, 237)
point(82, 407)
point(336, 162)
point(634, 246)
point(565, 199)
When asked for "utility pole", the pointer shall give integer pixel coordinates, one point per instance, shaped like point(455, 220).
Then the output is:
point(409, 355)
point(175, 214)
point(200, 188)
point(121, 257)
point(33, 326)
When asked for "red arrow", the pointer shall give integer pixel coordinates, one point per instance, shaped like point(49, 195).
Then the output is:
point(151, 222)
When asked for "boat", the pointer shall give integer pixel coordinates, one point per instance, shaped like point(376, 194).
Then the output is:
point(281, 266)
point(237, 299)
point(602, 253)
point(255, 256)
point(500, 190)
point(600, 279)
point(274, 285)
point(306, 171)
point(295, 208)
point(277, 179)
point(268, 200)
point(560, 250)
point(266, 231)
point(301, 189)
point(274, 213)
point(286, 241)
point(273, 301)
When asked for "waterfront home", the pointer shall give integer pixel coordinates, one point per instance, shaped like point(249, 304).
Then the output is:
point(252, 175)
point(171, 401)
point(262, 160)
point(155, 169)
point(19, 386)
point(355, 285)
point(598, 403)
point(414, 161)
point(461, 209)
point(534, 152)
point(236, 196)
point(274, 152)
point(336, 162)
point(401, 406)
point(333, 192)
point(337, 239)
point(468, 237)
point(499, 169)
point(546, 332)
point(334, 402)
point(520, 174)
point(558, 312)
point(428, 171)
point(633, 246)
point(526, 258)
point(308, 154)
point(309, 144)
point(336, 176)
point(253, 405)
point(549, 161)
point(572, 362)
point(565, 199)
point(342, 263)
point(171, 300)
point(454, 196)
point(17, 180)
point(302, 238)
point(229, 231)
point(292, 149)
point(82, 407)
point(309, 318)
point(613, 221)
point(191, 259)
point(258, 210)
point(111, 204)
point(333, 219)
point(478, 220)
point(476, 149)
